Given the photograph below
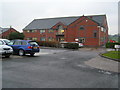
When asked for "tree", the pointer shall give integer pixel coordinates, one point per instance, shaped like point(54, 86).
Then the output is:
point(16, 35)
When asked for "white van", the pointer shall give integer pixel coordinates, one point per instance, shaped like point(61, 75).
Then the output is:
point(4, 49)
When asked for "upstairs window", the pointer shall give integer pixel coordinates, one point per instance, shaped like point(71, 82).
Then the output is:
point(30, 31)
point(50, 31)
point(81, 28)
point(95, 34)
point(60, 27)
point(42, 31)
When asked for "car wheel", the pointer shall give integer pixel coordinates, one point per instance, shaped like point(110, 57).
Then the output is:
point(32, 54)
point(21, 53)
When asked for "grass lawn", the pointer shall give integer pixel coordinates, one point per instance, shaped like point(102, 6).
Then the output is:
point(112, 54)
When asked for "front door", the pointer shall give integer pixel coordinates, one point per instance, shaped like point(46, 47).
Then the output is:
point(60, 39)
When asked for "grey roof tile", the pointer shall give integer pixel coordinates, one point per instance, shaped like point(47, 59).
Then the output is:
point(49, 22)
point(3, 30)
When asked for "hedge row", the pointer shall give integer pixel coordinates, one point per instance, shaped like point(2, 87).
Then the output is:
point(48, 43)
point(71, 45)
point(111, 45)
point(57, 44)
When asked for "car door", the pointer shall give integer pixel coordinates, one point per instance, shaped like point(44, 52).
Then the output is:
point(16, 45)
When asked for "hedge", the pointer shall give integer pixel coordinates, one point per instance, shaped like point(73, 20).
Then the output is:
point(111, 45)
point(48, 43)
point(71, 45)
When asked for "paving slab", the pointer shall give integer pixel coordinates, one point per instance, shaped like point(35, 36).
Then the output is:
point(103, 64)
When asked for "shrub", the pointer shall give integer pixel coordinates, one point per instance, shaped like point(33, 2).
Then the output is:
point(71, 45)
point(16, 35)
point(111, 45)
point(48, 43)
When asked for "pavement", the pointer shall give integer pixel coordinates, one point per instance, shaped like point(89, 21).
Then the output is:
point(103, 63)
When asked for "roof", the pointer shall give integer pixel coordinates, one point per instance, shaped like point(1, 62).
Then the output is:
point(50, 22)
point(2, 30)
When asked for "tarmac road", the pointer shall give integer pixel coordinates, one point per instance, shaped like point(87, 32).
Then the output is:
point(56, 68)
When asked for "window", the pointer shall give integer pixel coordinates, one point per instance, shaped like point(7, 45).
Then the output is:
point(42, 31)
point(1, 43)
point(24, 43)
point(102, 29)
point(50, 39)
point(34, 38)
point(82, 28)
point(81, 40)
point(95, 34)
point(28, 30)
point(60, 27)
point(33, 43)
point(42, 39)
point(29, 38)
point(50, 31)
point(31, 31)
point(18, 43)
point(103, 39)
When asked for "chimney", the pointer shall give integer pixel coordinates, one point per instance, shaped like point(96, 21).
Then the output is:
point(10, 27)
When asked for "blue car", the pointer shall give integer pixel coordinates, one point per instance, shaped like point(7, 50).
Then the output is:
point(22, 47)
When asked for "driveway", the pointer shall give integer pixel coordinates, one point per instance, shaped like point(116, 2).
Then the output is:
point(56, 68)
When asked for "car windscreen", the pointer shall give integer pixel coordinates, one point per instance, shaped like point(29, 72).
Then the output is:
point(10, 43)
point(1, 43)
point(33, 43)
point(7, 41)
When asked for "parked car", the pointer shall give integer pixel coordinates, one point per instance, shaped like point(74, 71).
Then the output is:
point(63, 43)
point(81, 45)
point(22, 47)
point(6, 41)
point(5, 50)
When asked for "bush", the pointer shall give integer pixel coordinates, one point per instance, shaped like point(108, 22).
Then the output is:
point(48, 43)
point(71, 45)
point(111, 45)
point(16, 35)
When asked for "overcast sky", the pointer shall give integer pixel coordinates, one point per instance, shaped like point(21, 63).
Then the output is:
point(19, 13)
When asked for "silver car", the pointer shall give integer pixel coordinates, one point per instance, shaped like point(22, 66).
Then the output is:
point(4, 49)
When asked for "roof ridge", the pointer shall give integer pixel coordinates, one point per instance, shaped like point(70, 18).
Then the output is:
point(69, 17)
point(97, 15)
point(58, 17)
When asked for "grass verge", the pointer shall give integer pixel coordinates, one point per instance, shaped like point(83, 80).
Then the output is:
point(112, 54)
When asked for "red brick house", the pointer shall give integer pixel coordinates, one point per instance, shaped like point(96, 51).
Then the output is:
point(5, 32)
point(89, 30)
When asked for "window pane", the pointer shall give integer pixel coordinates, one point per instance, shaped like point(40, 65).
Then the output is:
point(50, 31)
point(42, 31)
point(24, 43)
point(33, 43)
point(60, 27)
point(94, 33)
point(1, 43)
point(82, 28)
point(50, 39)
point(17, 43)
point(34, 38)
point(42, 39)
